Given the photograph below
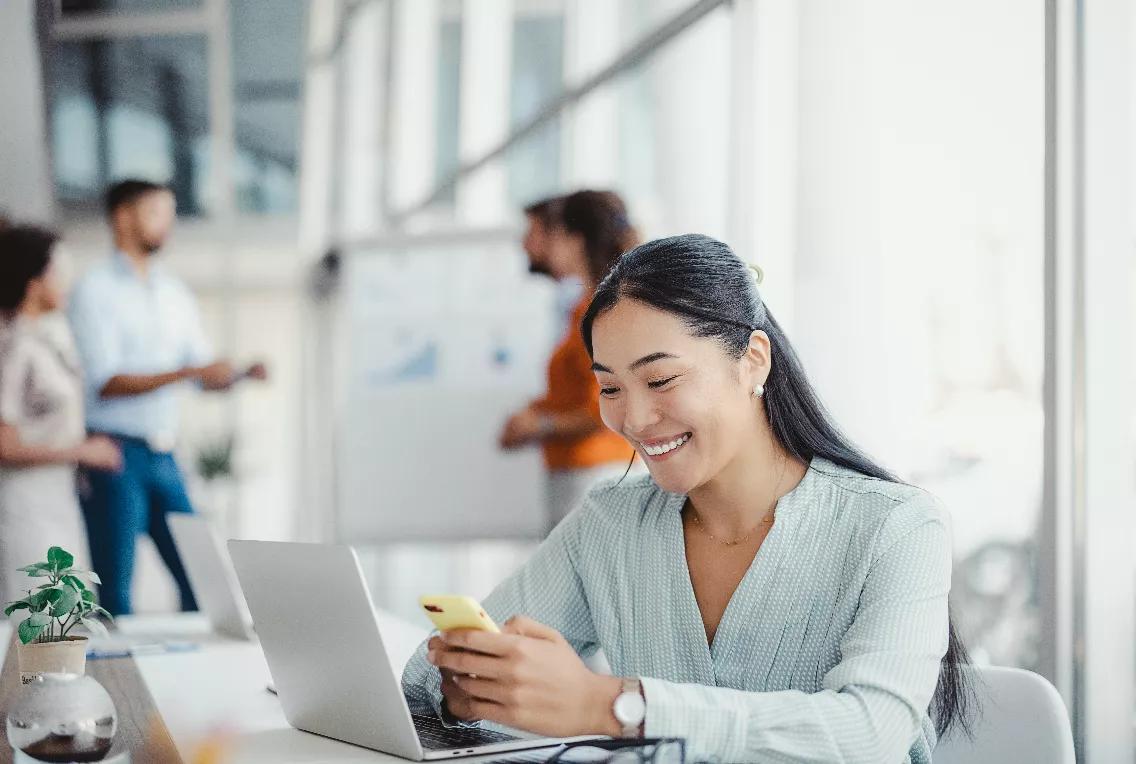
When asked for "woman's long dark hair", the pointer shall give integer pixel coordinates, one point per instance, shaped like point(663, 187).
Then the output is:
point(600, 219)
point(25, 253)
point(702, 281)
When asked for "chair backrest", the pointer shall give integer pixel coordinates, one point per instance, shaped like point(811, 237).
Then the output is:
point(1020, 717)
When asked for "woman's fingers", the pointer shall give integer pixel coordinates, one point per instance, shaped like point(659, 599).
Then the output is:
point(526, 627)
point(481, 641)
point(489, 690)
point(457, 700)
point(483, 710)
point(468, 708)
point(465, 662)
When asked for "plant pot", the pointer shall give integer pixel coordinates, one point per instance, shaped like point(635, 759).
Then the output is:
point(66, 657)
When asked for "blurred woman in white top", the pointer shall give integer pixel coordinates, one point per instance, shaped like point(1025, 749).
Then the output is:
point(42, 435)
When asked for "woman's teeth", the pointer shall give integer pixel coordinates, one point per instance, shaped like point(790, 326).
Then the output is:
point(666, 447)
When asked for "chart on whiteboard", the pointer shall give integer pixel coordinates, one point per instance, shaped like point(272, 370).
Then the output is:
point(443, 343)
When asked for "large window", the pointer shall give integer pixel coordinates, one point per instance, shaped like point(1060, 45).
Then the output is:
point(267, 90)
point(537, 78)
point(145, 105)
point(69, 7)
point(134, 107)
point(447, 134)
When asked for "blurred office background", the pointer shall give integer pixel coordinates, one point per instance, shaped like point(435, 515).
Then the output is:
point(939, 195)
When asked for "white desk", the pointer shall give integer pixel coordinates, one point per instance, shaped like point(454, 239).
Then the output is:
point(218, 692)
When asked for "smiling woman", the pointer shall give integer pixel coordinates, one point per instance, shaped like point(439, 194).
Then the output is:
point(768, 590)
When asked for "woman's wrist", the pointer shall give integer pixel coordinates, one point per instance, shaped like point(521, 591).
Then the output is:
point(601, 704)
point(73, 455)
point(546, 426)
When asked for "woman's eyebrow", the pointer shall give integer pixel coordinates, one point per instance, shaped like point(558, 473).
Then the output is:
point(650, 358)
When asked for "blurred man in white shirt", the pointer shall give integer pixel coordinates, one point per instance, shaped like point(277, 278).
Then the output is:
point(140, 337)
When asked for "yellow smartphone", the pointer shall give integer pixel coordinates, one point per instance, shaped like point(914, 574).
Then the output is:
point(456, 611)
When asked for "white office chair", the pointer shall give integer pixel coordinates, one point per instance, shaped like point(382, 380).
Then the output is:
point(1020, 717)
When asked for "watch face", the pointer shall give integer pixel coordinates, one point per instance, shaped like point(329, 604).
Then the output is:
point(629, 709)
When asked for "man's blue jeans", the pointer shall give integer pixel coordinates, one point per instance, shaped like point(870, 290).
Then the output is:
point(120, 505)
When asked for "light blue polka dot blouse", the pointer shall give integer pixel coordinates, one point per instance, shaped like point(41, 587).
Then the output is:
point(828, 651)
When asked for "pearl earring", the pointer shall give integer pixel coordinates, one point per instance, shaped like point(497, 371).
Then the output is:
point(758, 390)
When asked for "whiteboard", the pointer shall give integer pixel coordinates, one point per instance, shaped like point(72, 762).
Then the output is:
point(443, 342)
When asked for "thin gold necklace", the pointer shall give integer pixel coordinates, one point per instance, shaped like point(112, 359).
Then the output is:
point(768, 519)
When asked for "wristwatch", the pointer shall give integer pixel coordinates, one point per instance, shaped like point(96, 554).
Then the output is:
point(629, 708)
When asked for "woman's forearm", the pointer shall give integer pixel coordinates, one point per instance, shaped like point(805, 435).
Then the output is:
point(14, 452)
point(568, 425)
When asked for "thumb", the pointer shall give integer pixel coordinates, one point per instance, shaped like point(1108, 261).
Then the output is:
point(526, 627)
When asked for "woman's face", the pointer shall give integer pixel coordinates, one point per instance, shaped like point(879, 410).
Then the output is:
point(49, 290)
point(681, 401)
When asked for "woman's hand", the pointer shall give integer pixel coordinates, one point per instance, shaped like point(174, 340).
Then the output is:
point(527, 677)
point(523, 428)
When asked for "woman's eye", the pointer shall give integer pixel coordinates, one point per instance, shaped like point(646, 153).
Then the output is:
point(656, 384)
point(608, 391)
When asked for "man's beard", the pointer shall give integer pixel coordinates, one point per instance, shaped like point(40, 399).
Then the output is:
point(150, 246)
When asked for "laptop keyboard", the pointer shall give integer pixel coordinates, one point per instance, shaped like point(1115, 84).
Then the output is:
point(436, 737)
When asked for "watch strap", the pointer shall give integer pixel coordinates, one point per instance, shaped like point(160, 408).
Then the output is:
point(632, 686)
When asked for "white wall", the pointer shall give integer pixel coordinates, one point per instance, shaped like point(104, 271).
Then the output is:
point(25, 192)
point(919, 206)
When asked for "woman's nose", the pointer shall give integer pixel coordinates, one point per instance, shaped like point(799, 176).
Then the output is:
point(639, 415)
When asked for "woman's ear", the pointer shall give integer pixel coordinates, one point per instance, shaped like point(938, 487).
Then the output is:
point(757, 360)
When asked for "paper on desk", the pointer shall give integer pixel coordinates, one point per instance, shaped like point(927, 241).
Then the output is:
point(125, 646)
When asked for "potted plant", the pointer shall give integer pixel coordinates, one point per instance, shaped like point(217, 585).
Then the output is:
point(215, 467)
point(54, 609)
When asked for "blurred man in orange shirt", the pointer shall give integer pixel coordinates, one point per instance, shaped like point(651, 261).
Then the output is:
point(578, 237)
point(542, 218)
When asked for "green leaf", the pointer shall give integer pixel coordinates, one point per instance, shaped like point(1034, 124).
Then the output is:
point(68, 599)
point(93, 577)
point(39, 619)
point(45, 597)
point(28, 631)
point(93, 626)
point(12, 607)
point(88, 596)
point(75, 583)
point(60, 559)
point(38, 570)
point(39, 600)
point(48, 596)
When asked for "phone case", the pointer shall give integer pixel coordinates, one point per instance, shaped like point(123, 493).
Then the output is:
point(456, 611)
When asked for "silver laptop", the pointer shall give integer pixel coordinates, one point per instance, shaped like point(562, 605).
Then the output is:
point(322, 641)
point(211, 575)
